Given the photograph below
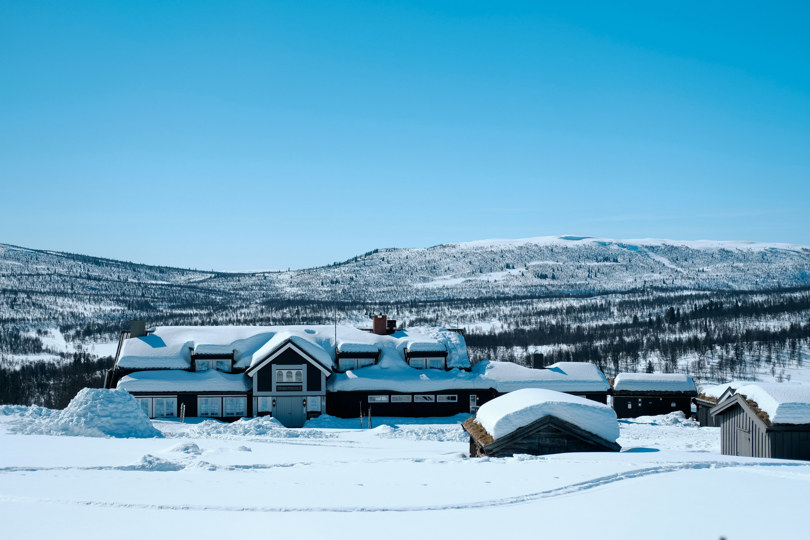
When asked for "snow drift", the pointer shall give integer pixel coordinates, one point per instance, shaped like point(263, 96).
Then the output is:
point(94, 412)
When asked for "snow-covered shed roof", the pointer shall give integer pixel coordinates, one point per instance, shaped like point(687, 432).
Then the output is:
point(185, 381)
point(713, 392)
point(425, 346)
point(654, 382)
point(211, 350)
point(505, 414)
point(363, 348)
point(783, 403)
point(169, 347)
point(501, 376)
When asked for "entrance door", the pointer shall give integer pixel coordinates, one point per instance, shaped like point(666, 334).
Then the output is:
point(290, 411)
point(744, 446)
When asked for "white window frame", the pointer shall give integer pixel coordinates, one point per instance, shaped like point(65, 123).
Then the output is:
point(241, 413)
point(264, 404)
point(447, 398)
point(435, 362)
point(226, 366)
point(147, 404)
point(314, 403)
point(203, 362)
point(417, 363)
point(378, 398)
point(169, 404)
point(213, 399)
point(398, 398)
point(347, 364)
point(424, 398)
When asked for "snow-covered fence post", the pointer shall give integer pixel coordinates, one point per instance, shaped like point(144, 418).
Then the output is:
point(369, 417)
point(182, 413)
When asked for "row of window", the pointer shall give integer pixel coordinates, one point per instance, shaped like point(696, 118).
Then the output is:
point(346, 364)
point(207, 406)
point(427, 363)
point(416, 398)
point(219, 365)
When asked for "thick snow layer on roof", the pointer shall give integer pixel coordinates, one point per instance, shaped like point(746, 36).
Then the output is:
point(506, 413)
point(185, 381)
point(168, 347)
point(96, 412)
point(501, 376)
point(716, 390)
point(207, 348)
point(347, 347)
point(660, 382)
point(783, 403)
point(425, 346)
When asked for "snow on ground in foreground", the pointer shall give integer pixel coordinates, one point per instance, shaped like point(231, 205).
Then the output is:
point(210, 480)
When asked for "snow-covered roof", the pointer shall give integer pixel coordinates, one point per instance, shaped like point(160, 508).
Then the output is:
point(185, 381)
point(425, 346)
point(655, 382)
point(211, 349)
point(501, 376)
point(717, 390)
point(364, 348)
point(783, 403)
point(503, 415)
point(168, 347)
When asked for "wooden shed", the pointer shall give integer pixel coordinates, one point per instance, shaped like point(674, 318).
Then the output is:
point(768, 420)
point(538, 422)
point(650, 394)
point(707, 399)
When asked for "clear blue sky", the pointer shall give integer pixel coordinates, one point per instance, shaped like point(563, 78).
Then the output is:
point(254, 135)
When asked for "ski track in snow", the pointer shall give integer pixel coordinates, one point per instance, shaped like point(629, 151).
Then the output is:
point(570, 489)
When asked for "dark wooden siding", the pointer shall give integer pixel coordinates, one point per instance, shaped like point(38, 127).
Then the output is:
point(790, 444)
point(349, 404)
point(650, 405)
point(736, 423)
point(264, 377)
point(313, 378)
point(704, 417)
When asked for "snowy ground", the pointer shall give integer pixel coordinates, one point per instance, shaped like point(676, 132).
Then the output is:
point(397, 480)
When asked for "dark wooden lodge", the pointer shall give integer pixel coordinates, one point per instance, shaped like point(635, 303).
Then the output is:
point(746, 430)
point(546, 435)
point(651, 394)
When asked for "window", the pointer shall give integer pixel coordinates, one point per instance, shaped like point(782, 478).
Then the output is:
point(223, 365)
point(203, 365)
point(345, 364)
point(673, 404)
point(378, 399)
point(435, 363)
point(365, 362)
point(423, 398)
point(447, 398)
point(629, 405)
point(314, 403)
point(146, 406)
point(287, 376)
point(401, 399)
point(265, 404)
point(418, 363)
point(235, 405)
point(209, 406)
point(165, 407)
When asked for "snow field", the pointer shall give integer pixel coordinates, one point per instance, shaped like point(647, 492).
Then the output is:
point(212, 480)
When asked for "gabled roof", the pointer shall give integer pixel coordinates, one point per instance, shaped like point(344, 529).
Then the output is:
point(282, 342)
point(772, 403)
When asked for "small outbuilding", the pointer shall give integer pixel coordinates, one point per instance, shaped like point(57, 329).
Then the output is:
point(537, 421)
point(650, 394)
point(708, 398)
point(770, 420)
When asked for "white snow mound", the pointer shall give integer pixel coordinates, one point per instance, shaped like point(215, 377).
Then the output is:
point(784, 403)
point(94, 412)
point(506, 413)
point(663, 382)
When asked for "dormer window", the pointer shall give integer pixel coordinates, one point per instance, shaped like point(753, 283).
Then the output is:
point(203, 365)
point(208, 357)
point(351, 356)
point(426, 356)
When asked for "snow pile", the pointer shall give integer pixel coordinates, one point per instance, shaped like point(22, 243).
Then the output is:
point(259, 427)
point(505, 414)
point(783, 403)
point(94, 412)
point(656, 382)
point(677, 418)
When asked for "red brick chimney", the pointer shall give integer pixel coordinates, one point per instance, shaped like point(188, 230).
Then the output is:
point(379, 325)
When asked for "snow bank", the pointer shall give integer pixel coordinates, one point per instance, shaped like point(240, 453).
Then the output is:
point(656, 382)
point(260, 427)
point(94, 412)
point(185, 381)
point(505, 414)
point(784, 403)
